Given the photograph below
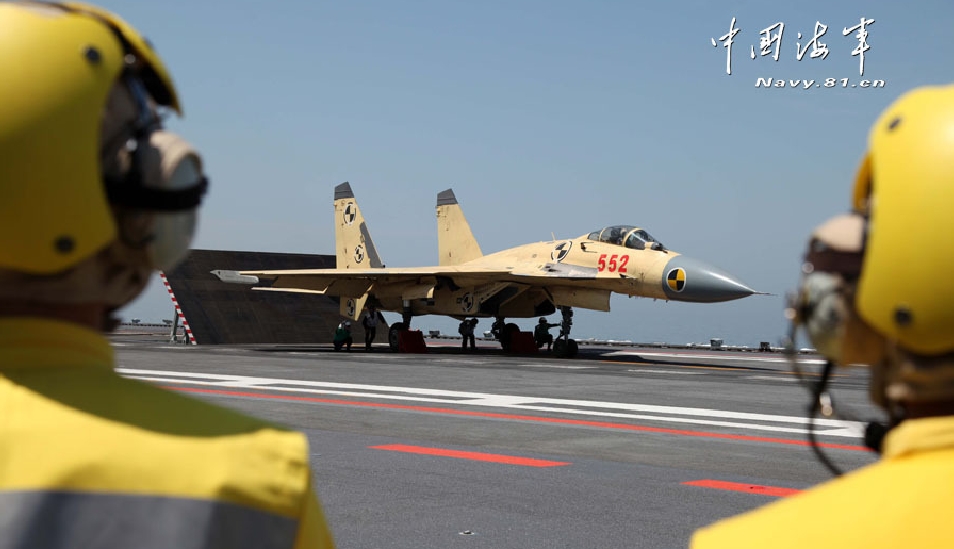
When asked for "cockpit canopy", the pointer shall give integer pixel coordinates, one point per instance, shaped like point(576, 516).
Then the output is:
point(627, 235)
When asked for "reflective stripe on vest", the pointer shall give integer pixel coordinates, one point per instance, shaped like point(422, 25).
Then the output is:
point(57, 519)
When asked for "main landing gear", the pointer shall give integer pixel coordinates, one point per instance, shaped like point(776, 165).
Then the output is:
point(394, 332)
point(503, 331)
point(563, 346)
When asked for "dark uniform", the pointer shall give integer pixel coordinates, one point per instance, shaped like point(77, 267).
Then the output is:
point(541, 333)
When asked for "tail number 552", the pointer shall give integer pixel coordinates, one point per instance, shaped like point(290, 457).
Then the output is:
point(615, 263)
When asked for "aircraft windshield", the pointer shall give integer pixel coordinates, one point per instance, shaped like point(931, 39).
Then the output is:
point(627, 235)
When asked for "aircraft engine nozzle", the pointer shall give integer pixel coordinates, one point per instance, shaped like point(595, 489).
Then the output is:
point(688, 279)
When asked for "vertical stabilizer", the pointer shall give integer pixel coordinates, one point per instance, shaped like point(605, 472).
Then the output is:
point(455, 243)
point(354, 248)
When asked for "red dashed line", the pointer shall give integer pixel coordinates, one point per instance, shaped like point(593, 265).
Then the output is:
point(474, 456)
point(747, 488)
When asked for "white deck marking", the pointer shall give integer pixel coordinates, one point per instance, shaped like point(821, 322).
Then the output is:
point(558, 366)
point(676, 372)
point(626, 410)
point(715, 356)
point(476, 362)
point(774, 378)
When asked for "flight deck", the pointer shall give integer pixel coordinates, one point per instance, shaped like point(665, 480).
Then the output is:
point(620, 447)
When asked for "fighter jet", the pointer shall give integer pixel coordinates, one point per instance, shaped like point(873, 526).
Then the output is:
point(532, 280)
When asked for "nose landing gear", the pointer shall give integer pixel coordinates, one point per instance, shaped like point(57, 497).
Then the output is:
point(563, 346)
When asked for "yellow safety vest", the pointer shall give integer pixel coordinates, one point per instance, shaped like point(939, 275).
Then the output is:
point(904, 500)
point(91, 459)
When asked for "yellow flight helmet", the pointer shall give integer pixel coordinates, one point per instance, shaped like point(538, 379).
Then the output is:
point(59, 63)
point(905, 188)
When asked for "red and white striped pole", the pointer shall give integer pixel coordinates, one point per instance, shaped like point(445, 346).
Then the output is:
point(185, 323)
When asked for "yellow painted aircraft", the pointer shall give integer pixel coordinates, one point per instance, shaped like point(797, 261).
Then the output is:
point(532, 280)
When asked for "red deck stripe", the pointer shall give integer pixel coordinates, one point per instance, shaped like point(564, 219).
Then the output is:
point(475, 456)
point(747, 488)
point(560, 421)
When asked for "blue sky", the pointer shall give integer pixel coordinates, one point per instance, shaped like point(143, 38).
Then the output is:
point(544, 117)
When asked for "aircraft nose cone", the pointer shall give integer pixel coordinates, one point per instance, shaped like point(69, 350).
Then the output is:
point(688, 279)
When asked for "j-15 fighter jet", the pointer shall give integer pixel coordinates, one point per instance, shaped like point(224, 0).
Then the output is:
point(532, 280)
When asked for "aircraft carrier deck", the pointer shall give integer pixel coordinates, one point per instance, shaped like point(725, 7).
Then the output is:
point(620, 447)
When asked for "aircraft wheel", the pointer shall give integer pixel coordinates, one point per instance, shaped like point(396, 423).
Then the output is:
point(560, 348)
point(508, 331)
point(393, 335)
point(565, 349)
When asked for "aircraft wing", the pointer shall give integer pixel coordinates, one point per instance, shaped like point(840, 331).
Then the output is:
point(550, 271)
point(351, 282)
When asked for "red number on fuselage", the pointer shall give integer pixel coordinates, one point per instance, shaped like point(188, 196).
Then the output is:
point(613, 266)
